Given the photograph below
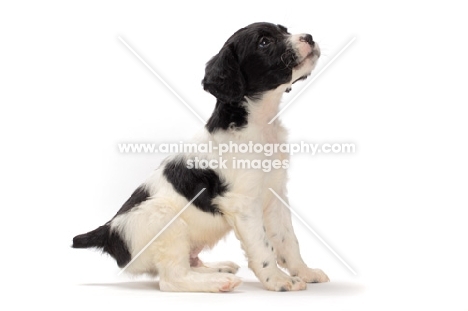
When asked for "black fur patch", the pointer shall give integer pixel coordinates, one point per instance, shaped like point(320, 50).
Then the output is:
point(189, 182)
point(227, 115)
point(138, 196)
point(109, 241)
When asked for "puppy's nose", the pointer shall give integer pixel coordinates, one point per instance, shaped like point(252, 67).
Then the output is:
point(307, 38)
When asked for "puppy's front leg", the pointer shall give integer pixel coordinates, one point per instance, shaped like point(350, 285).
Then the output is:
point(281, 233)
point(250, 230)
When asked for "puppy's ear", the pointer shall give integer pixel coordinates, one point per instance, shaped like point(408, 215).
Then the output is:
point(223, 77)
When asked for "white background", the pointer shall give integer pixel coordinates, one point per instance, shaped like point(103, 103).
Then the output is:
point(395, 211)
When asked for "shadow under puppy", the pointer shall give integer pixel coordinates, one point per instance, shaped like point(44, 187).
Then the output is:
point(248, 77)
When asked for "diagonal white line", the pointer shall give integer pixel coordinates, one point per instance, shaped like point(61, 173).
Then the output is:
point(162, 81)
point(313, 231)
point(160, 232)
point(313, 79)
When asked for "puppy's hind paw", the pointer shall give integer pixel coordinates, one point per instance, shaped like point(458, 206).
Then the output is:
point(221, 267)
point(227, 282)
point(200, 282)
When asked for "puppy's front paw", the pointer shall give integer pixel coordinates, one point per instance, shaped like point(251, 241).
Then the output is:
point(282, 282)
point(312, 275)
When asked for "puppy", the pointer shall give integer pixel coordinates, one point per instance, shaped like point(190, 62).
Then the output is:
point(248, 76)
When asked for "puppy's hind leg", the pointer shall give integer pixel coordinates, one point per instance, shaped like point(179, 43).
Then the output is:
point(172, 260)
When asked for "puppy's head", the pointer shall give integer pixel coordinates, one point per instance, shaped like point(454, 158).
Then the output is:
point(258, 58)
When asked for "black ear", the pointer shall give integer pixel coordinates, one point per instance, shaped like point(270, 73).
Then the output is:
point(223, 77)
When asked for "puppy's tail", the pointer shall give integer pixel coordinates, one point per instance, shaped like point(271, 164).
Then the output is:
point(106, 239)
point(96, 238)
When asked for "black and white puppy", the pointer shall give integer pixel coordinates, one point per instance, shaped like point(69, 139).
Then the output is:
point(248, 77)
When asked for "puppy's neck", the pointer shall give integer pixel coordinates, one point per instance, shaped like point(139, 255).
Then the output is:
point(262, 110)
point(250, 112)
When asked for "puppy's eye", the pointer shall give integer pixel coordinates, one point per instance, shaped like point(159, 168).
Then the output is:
point(264, 42)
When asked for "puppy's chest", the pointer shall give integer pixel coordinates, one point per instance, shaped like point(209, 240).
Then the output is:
point(272, 138)
point(273, 135)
